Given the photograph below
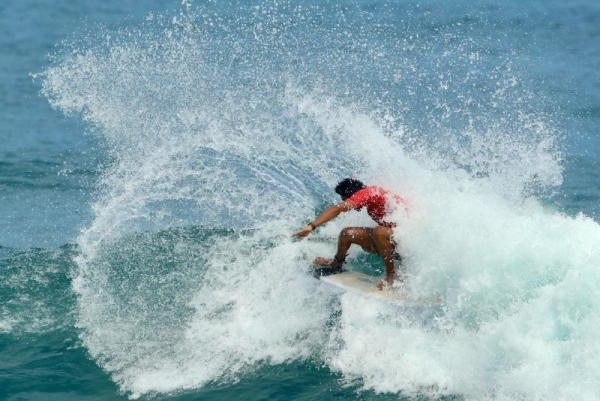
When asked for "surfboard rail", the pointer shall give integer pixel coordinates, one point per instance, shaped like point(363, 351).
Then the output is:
point(366, 285)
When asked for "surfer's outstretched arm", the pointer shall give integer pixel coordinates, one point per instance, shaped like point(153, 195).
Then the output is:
point(328, 214)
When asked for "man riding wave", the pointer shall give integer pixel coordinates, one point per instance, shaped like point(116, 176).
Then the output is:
point(380, 204)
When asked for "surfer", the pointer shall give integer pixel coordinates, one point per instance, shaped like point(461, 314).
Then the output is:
point(380, 203)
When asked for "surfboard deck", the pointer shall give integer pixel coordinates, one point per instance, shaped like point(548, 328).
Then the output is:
point(366, 285)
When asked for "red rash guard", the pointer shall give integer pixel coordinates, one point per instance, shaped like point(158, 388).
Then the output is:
point(379, 202)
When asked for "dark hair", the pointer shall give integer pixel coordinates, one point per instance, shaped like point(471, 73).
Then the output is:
point(348, 187)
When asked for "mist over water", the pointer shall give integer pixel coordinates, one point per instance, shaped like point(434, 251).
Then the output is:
point(226, 131)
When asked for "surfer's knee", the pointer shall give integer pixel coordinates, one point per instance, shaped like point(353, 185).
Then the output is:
point(359, 236)
point(382, 234)
point(350, 232)
point(346, 231)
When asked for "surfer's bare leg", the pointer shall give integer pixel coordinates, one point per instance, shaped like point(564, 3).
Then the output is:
point(350, 235)
point(354, 235)
point(382, 237)
point(376, 240)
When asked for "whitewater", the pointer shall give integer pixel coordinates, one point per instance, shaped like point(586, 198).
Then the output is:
point(225, 129)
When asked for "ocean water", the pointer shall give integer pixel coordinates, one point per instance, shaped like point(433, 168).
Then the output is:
point(157, 156)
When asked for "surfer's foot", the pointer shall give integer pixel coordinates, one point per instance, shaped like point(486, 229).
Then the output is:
point(327, 266)
point(326, 262)
point(326, 271)
point(385, 284)
point(323, 262)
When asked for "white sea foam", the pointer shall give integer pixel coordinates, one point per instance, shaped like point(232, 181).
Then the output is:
point(217, 132)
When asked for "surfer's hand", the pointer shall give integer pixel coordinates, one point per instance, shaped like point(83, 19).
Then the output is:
point(303, 232)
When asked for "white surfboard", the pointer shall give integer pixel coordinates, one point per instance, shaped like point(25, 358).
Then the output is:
point(366, 285)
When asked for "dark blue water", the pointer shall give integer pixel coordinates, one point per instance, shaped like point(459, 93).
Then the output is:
point(157, 156)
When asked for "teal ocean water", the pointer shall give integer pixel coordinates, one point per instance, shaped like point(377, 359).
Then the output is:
point(157, 156)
